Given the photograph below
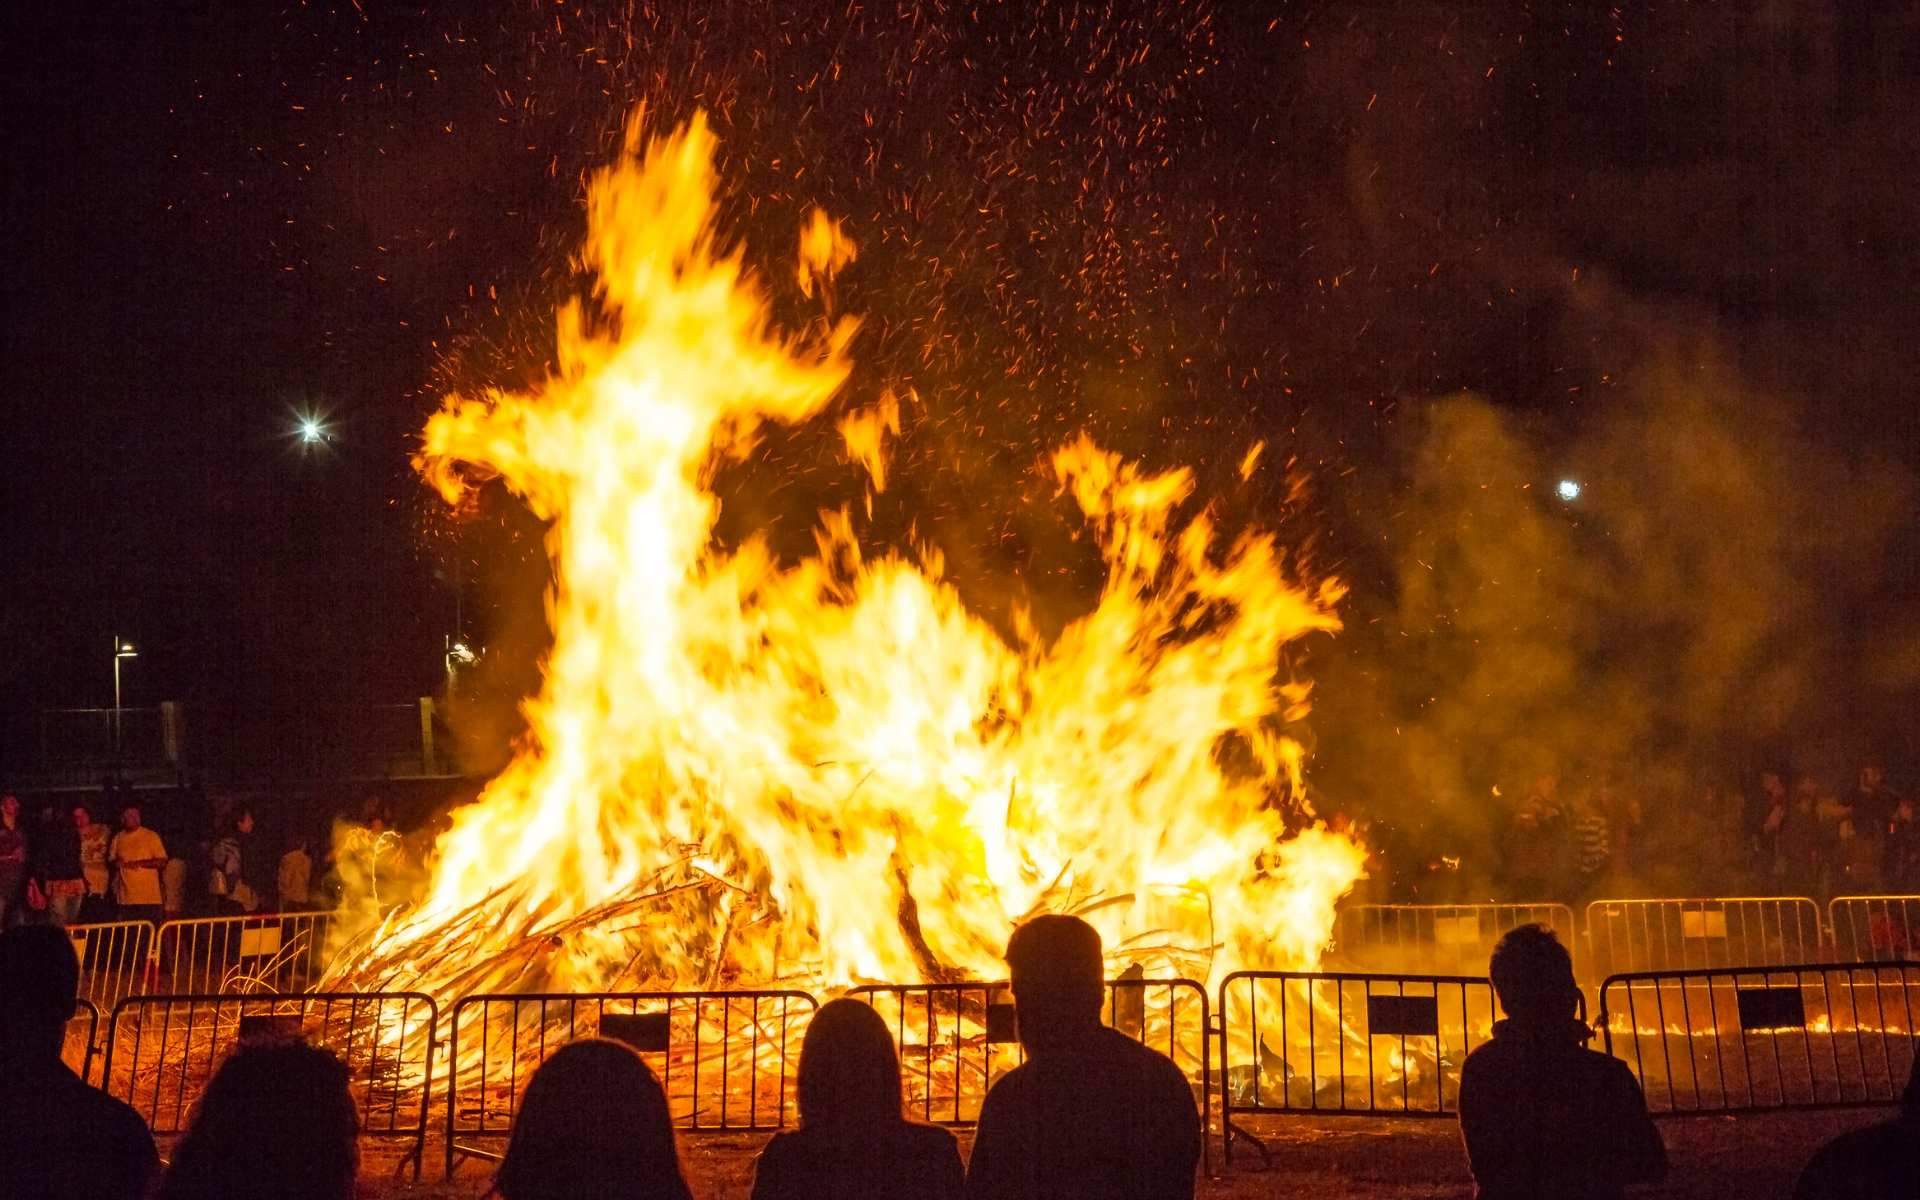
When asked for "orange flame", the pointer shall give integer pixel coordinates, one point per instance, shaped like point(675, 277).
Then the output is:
point(867, 780)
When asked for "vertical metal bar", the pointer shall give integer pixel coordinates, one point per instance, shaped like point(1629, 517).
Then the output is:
point(1313, 1053)
point(1686, 1015)
point(726, 1033)
point(1340, 1026)
point(1253, 1024)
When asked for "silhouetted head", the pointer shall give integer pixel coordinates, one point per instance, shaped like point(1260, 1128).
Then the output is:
point(39, 978)
point(130, 817)
point(1533, 974)
point(594, 1122)
point(1059, 981)
point(10, 807)
point(1872, 775)
point(82, 817)
point(849, 1072)
point(276, 1123)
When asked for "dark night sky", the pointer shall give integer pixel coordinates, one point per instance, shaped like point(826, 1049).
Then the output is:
point(1187, 226)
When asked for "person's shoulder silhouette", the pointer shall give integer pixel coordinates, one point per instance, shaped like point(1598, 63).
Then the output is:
point(1091, 1113)
point(853, 1141)
point(59, 1137)
point(1880, 1162)
point(276, 1122)
point(593, 1122)
point(1541, 1114)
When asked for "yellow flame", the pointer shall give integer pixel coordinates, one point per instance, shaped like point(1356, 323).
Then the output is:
point(882, 781)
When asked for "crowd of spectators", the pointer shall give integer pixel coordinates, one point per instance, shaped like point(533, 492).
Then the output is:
point(1610, 835)
point(69, 864)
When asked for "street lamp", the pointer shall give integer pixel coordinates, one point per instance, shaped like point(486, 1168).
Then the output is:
point(121, 649)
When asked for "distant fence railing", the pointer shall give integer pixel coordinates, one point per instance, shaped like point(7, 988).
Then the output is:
point(115, 957)
point(1874, 928)
point(277, 952)
point(1438, 939)
point(162, 1051)
point(1347, 1042)
point(1679, 935)
point(81, 1038)
point(726, 1059)
point(1820, 1035)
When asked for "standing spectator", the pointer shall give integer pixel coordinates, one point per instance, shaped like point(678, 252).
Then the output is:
point(13, 860)
point(93, 862)
point(1542, 1115)
point(853, 1139)
point(137, 854)
point(1869, 813)
point(227, 881)
point(1092, 1114)
point(1593, 846)
point(1903, 850)
point(60, 873)
point(1535, 842)
point(1763, 828)
point(59, 1138)
point(1620, 807)
point(277, 1122)
point(594, 1123)
point(295, 878)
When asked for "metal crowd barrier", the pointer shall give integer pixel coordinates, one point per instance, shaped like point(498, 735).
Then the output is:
point(85, 1022)
point(1309, 1042)
point(114, 959)
point(163, 1050)
point(1874, 928)
point(256, 952)
point(1439, 939)
point(715, 1078)
point(957, 1039)
point(1626, 936)
point(1820, 1035)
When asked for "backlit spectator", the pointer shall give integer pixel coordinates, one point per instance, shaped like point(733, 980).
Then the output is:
point(59, 1138)
point(1542, 1115)
point(594, 1122)
point(1092, 1114)
point(1880, 1162)
point(60, 871)
point(853, 1140)
point(277, 1122)
point(295, 878)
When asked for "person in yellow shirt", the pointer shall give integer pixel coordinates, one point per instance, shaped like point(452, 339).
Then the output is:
point(137, 854)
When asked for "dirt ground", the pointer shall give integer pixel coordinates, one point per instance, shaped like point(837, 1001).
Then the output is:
point(1714, 1158)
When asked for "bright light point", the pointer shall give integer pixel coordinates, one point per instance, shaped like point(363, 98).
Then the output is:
point(311, 430)
point(1569, 489)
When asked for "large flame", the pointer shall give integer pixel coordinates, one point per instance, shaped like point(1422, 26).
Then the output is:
point(741, 769)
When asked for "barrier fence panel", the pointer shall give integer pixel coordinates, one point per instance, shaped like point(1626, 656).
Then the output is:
point(114, 958)
point(281, 952)
point(82, 1036)
point(726, 1059)
point(1874, 928)
point(1438, 939)
point(1823, 1035)
point(162, 1050)
point(1347, 1043)
point(957, 1039)
point(1679, 935)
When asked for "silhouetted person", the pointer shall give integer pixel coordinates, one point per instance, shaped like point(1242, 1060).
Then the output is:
point(853, 1143)
point(1880, 1162)
point(277, 1122)
point(1544, 1117)
point(59, 1138)
point(1092, 1113)
point(593, 1123)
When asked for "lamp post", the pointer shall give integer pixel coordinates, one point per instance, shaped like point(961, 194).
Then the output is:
point(121, 650)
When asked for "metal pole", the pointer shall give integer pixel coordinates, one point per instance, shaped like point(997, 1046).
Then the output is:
point(116, 696)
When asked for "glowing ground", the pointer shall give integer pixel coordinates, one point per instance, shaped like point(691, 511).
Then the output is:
point(1714, 1159)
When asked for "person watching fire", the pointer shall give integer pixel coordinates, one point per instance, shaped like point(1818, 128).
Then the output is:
point(1091, 1113)
point(1541, 1114)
